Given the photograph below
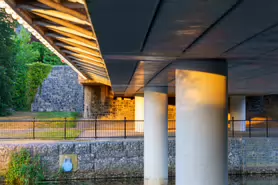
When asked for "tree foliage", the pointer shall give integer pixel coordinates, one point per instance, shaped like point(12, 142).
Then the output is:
point(46, 56)
point(7, 66)
point(25, 54)
point(37, 73)
point(17, 54)
point(28, 53)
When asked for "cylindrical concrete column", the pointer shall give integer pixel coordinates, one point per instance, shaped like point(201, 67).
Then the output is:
point(139, 113)
point(156, 136)
point(88, 95)
point(201, 123)
point(238, 112)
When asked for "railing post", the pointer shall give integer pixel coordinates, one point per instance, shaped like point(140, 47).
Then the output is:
point(34, 127)
point(96, 127)
point(250, 124)
point(266, 127)
point(233, 126)
point(65, 129)
point(125, 127)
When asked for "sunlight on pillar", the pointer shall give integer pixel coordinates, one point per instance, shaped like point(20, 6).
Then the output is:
point(201, 136)
point(139, 113)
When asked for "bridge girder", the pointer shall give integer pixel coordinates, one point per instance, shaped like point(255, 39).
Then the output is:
point(63, 26)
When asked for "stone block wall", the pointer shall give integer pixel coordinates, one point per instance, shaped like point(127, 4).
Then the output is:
point(253, 155)
point(60, 92)
point(171, 112)
point(120, 108)
point(254, 106)
point(124, 158)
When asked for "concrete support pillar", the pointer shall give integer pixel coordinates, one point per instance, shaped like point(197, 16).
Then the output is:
point(238, 112)
point(201, 111)
point(139, 113)
point(156, 136)
point(88, 99)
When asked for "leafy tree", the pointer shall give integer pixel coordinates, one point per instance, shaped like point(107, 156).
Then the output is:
point(46, 56)
point(28, 53)
point(17, 51)
point(25, 54)
point(7, 66)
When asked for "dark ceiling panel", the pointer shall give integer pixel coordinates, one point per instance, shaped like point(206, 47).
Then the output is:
point(163, 78)
point(180, 22)
point(120, 72)
point(272, 54)
point(121, 25)
point(145, 71)
point(248, 19)
point(256, 46)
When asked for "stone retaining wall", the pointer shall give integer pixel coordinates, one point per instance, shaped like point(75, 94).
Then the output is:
point(124, 158)
point(60, 92)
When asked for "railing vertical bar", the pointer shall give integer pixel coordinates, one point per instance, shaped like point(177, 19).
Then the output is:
point(65, 129)
point(34, 122)
point(250, 124)
point(125, 128)
point(95, 127)
point(233, 126)
point(267, 133)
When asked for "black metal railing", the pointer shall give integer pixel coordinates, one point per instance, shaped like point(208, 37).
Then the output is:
point(263, 127)
point(74, 129)
point(93, 128)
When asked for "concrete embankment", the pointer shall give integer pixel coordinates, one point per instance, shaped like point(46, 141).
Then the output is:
point(124, 158)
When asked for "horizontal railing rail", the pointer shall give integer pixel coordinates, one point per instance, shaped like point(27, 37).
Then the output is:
point(79, 129)
point(263, 127)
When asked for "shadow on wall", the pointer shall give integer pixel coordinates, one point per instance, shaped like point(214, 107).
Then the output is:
point(120, 108)
point(101, 109)
point(104, 107)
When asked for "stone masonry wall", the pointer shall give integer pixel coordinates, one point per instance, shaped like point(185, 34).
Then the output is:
point(124, 158)
point(60, 92)
point(120, 108)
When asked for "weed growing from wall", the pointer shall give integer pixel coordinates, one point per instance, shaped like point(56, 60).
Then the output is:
point(24, 169)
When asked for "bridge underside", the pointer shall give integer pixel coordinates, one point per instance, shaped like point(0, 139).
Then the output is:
point(141, 40)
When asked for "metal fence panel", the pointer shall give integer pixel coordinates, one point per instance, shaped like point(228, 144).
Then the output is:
point(93, 129)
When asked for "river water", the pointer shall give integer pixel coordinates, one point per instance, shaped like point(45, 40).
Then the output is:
point(233, 180)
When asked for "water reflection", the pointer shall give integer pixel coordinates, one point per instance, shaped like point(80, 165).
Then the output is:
point(233, 180)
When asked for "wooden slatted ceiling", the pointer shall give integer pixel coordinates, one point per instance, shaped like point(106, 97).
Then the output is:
point(66, 27)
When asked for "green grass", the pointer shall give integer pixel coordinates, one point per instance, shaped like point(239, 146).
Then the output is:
point(53, 116)
point(57, 115)
point(58, 135)
point(52, 135)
